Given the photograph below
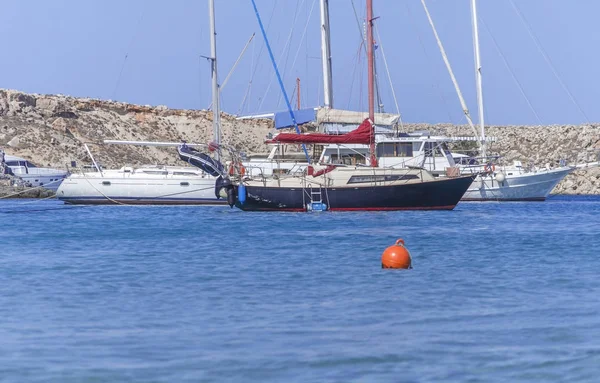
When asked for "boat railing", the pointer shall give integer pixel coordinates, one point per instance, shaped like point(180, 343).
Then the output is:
point(75, 168)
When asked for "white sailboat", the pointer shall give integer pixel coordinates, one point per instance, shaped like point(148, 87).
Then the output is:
point(507, 183)
point(144, 185)
point(494, 183)
point(155, 185)
point(514, 182)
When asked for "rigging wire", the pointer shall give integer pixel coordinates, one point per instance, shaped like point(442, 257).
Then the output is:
point(547, 59)
point(274, 63)
point(359, 62)
point(129, 46)
point(450, 71)
point(436, 84)
point(248, 92)
point(387, 70)
point(305, 92)
point(360, 27)
point(253, 73)
point(237, 61)
point(361, 30)
point(356, 59)
point(361, 86)
point(293, 95)
point(299, 45)
point(512, 73)
point(285, 48)
point(287, 54)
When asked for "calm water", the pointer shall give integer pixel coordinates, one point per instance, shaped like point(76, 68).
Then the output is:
point(499, 292)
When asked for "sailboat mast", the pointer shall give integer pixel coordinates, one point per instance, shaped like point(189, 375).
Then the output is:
point(370, 76)
point(215, 84)
point(478, 75)
point(371, 61)
point(326, 55)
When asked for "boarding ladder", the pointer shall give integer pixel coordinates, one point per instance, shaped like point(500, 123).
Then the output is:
point(315, 198)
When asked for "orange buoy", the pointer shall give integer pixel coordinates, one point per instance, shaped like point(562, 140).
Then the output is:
point(396, 257)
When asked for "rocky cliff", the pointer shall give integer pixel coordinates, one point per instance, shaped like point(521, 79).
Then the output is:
point(50, 130)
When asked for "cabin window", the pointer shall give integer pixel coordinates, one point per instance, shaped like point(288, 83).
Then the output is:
point(184, 183)
point(404, 149)
point(12, 163)
point(107, 183)
point(29, 164)
point(432, 149)
point(348, 159)
point(386, 150)
point(395, 149)
point(184, 174)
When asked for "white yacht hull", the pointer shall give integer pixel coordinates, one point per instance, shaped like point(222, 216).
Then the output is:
point(532, 186)
point(34, 176)
point(131, 189)
point(51, 180)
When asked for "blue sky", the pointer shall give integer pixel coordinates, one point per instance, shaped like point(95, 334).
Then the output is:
point(149, 52)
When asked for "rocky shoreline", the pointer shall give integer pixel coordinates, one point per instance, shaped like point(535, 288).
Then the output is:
point(50, 130)
point(7, 190)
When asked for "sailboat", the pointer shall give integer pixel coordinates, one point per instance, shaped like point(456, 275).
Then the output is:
point(344, 188)
point(504, 183)
point(507, 183)
point(155, 184)
point(493, 182)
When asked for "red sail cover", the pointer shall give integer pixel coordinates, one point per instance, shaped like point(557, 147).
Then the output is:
point(364, 134)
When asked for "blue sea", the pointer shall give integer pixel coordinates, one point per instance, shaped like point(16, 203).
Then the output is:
point(499, 292)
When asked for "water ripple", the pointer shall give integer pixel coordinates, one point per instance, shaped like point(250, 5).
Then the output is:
point(499, 292)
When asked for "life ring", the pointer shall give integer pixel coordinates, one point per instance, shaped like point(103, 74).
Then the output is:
point(489, 168)
point(237, 168)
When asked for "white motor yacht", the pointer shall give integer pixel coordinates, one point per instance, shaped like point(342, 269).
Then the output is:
point(33, 175)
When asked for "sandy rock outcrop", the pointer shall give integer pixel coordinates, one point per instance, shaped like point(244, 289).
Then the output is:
point(540, 146)
point(50, 130)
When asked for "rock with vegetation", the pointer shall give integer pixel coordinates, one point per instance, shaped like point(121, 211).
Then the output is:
point(540, 146)
point(11, 189)
point(50, 130)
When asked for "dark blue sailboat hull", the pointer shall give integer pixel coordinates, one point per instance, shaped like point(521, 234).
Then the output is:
point(442, 194)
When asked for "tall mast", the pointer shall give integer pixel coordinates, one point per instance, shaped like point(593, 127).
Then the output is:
point(326, 55)
point(370, 76)
point(215, 84)
point(478, 74)
point(449, 68)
